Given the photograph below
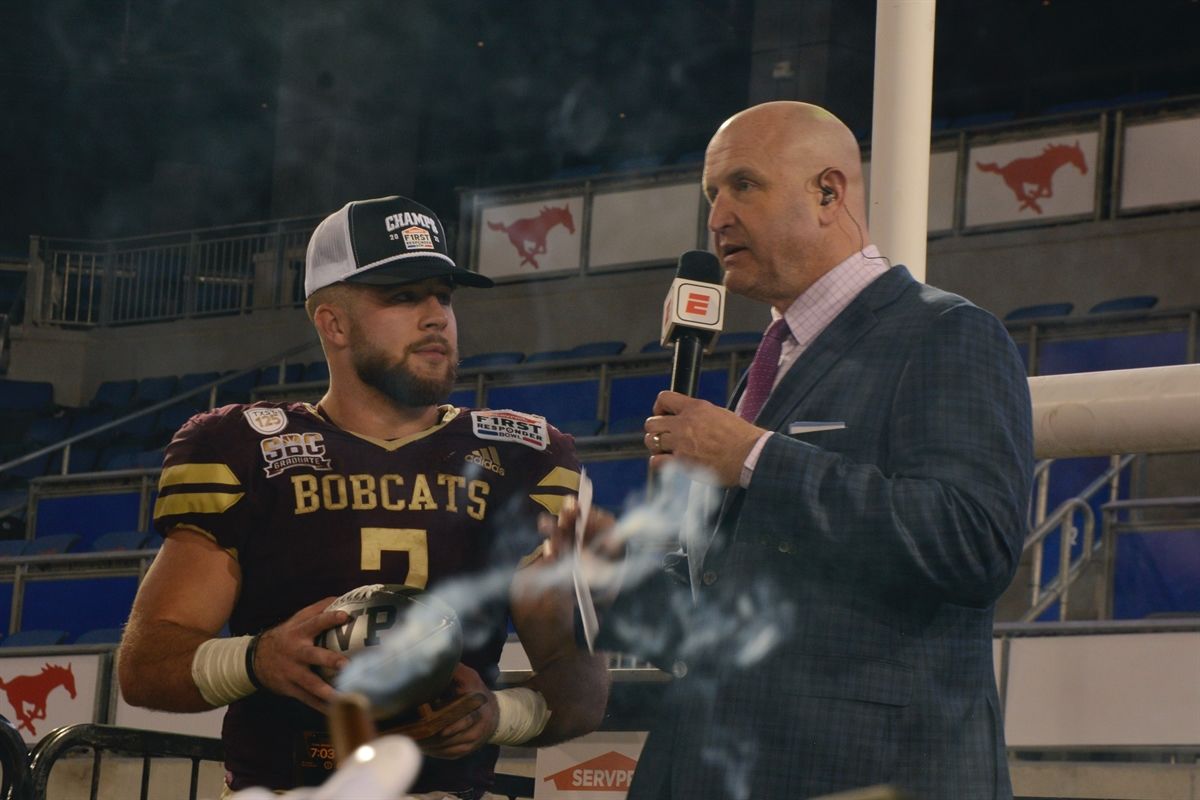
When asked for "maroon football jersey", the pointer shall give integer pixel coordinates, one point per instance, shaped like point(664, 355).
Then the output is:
point(309, 510)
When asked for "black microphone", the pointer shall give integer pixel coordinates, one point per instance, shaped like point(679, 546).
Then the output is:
point(693, 315)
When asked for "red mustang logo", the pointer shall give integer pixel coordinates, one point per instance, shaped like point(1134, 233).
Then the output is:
point(528, 235)
point(32, 690)
point(1037, 172)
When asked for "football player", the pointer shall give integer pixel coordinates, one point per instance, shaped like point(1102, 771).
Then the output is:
point(271, 510)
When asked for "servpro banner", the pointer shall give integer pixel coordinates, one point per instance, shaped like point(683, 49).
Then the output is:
point(598, 766)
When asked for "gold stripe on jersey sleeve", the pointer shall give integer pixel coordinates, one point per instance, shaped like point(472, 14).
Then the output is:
point(561, 476)
point(550, 502)
point(197, 473)
point(195, 503)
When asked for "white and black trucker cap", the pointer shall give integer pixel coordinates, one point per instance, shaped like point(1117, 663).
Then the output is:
point(382, 241)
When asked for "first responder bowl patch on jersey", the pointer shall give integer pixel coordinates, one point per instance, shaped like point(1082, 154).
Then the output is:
point(511, 426)
point(266, 420)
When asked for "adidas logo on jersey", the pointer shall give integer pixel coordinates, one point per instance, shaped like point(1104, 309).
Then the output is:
point(488, 458)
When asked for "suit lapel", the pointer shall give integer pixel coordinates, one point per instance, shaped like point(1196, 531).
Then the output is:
point(826, 350)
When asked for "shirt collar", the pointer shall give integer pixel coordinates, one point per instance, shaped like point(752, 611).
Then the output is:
point(819, 304)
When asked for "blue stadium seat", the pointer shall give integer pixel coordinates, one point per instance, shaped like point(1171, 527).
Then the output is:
point(631, 398)
point(171, 419)
point(118, 540)
point(739, 339)
point(292, 373)
point(83, 459)
point(580, 427)
point(46, 430)
point(26, 396)
point(497, 359)
point(155, 390)
point(462, 398)
point(316, 371)
point(194, 380)
point(34, 468)
point(42, 637)
point(1061, 356)
point(633, 424)
point(114, 394)
point(153, 542)
point(563, 400)
point(1040, 310)
point(237, 390)
point(594, 349)
point(100, 636)
point(654, 346)
point(54, 544)
point(88, 418)
point(1141, 302)
point(543, 356)
point(119, 457)
point(618, 482)
point(985, 118)
point(11, 548)
point(76, 605)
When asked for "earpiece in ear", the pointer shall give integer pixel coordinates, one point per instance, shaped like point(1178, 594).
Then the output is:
point(827, 195)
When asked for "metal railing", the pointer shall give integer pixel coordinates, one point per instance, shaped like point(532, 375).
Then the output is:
point(227, 270)
point(1113, 527)
point(108, 739)
point(1062, 519)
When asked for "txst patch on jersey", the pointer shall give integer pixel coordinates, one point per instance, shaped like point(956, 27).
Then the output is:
point(266, 420)
point(294, 450)
point(511, 426)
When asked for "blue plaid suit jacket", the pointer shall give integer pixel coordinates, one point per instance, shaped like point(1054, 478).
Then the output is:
point(842, 632)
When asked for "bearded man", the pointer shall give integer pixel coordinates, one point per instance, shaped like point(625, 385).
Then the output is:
point(269, 511)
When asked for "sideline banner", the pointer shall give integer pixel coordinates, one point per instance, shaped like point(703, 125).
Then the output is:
point(42, 693)
point(536, 238)
point(1032, 179)
point(598, 766)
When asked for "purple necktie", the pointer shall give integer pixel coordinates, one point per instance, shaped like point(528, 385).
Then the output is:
point(761, 377)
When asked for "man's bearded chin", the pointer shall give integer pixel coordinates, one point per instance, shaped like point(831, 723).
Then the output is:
point(398, 383)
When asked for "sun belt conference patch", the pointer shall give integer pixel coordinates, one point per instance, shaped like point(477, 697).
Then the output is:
point(511, 426)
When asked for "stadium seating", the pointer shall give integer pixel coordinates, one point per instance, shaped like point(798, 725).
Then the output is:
point(51, 545)
point(316, 371)
point(1039, 311)
point(39, 637)
point(114, 394)
point(12, 548)
point(737, 339)
point(1141, 302)
point(559, 401)
point(237, 390)
point(497, 359)
point(115, 541)
point(155, 390)
point(542, 356)
point(292, 373)
point(581, 427)
point(596, 349)
point(76, 605)
point(36, 397)
point(1059, 356)
point(653, 346)
point(100, 636)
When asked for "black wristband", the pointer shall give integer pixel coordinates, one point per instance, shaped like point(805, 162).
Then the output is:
point(250, 651)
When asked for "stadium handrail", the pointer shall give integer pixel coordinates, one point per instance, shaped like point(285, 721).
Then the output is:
point(121, 741)
point(209, 387)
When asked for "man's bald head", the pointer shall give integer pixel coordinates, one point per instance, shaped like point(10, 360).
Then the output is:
point(812, 135)
point(788, 202)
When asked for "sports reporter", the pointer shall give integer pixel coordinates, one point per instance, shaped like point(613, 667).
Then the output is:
point(270, 511)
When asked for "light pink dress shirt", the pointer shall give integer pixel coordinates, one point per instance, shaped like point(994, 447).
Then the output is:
point(811, 313)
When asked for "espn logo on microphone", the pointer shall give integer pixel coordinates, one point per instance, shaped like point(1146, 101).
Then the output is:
point(693, 304)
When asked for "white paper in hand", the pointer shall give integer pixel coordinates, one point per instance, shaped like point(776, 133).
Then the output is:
point(583, 593)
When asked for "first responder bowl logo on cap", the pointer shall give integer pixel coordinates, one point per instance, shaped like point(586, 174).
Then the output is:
point(416, 238)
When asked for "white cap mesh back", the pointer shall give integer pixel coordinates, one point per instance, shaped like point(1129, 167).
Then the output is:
point(329, 258)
